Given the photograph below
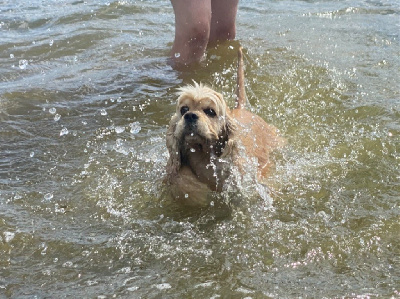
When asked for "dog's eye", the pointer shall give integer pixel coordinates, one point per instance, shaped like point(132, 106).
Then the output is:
point(184, 109)
point(210, 112)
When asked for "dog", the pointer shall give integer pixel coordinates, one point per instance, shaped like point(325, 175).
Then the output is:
point(206, 141)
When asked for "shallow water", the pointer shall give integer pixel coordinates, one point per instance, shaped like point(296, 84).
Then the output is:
point(85, 97)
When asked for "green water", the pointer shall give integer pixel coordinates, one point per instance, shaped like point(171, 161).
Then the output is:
point(85, 97)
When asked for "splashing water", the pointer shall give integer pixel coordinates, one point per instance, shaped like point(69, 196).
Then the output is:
point(135, 127)
point(64, 131)
point(23, 63)
point(324, 225)
point(119, 130)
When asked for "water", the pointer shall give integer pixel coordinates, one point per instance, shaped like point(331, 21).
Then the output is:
point(85, 97)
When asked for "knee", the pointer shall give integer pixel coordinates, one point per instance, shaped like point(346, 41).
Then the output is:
point(196, 34)
point(199, 34)
point(223, 32)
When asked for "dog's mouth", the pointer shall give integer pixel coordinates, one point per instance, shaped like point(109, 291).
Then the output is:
point(194, 142)
point(193, 132)
point(190, 128)
point(195, 147)
point(191, 137)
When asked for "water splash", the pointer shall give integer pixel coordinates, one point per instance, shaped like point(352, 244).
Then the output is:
point(64, 131)
point(135, 127)
point(48, 196)
point(8, 236)
point(163, 286)
point(23, 63)
point(119, 130)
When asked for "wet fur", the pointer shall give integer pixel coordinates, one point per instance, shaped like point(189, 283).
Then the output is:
point(204, 147)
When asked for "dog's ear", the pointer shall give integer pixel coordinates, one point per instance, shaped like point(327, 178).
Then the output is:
point(174, 161)
point(230, 124)
point(227, 141)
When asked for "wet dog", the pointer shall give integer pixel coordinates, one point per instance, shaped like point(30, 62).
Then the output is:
point(206, 141)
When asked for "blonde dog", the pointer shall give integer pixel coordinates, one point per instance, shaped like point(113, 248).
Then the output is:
point(206, 141)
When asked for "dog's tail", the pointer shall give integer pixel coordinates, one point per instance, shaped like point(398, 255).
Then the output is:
point(240, 91)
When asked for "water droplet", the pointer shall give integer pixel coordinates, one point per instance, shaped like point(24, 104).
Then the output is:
point(103, 112)
point(52, 110)
point(186, 195)
point(177, 55)
point(51, 43)
point(11, 56)
point(135, 127)
point(48, 196)
point(23, 64)
point(119, 142)
point(31, 154)
point(68, 264)
point(57, 117)
point(64, 131)
point(119, 130)
point(8, 236)
point(43, 252)
point(192, 150)
point(163, 286)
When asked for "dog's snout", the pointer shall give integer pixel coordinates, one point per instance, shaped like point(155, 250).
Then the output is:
point(191, 117)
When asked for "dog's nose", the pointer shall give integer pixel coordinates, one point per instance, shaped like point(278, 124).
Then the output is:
point(191, 117)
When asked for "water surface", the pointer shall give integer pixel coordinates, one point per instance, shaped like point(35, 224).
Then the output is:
point(86, 94)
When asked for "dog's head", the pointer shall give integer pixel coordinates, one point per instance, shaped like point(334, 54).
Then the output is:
point(202, 121)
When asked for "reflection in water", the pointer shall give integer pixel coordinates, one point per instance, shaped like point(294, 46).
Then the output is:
point(85, 97)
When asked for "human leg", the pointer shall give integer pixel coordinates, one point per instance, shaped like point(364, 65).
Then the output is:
point(223, 20)
point(192, 30)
